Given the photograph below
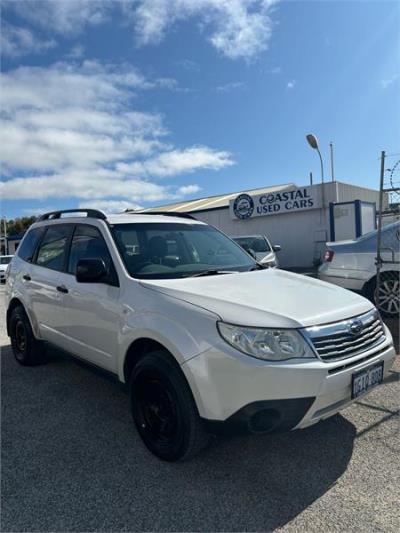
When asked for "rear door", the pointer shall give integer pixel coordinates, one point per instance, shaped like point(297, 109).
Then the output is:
point(93, 311)
point(43, 284)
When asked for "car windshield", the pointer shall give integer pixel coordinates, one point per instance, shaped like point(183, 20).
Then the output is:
point(5, 260)
point(256, 243)
point(173, 250)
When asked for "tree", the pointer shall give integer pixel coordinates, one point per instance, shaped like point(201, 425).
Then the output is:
point(19, 225)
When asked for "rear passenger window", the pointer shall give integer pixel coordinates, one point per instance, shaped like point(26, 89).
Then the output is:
point(52, 250)
point(27, 248)
point(88, 243)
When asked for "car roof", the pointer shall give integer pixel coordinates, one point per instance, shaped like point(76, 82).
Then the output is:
point(128, 218)
point(120, 218)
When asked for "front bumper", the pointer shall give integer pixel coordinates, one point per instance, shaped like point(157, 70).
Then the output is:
point(234, 391)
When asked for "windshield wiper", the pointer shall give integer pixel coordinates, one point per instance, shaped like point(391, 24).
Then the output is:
point(213, 272)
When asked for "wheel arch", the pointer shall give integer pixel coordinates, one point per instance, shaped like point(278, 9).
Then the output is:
point(138, 349)
point(14, 302)
point(366, 289)
point(17, 302)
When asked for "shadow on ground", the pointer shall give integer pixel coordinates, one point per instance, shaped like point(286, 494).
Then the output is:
point(72, 461)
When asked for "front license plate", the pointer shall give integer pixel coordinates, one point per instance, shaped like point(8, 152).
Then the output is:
point(366, 379)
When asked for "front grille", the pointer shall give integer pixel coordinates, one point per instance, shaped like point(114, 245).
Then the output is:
point(347, 338)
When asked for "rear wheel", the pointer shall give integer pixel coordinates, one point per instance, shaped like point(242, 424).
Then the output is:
point(387, 298)
point(163, 409)
point(28, 351)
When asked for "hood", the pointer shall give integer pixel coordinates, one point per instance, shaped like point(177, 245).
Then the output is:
point(266, 298)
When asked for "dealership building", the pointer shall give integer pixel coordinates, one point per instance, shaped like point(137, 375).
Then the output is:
point(299, 218)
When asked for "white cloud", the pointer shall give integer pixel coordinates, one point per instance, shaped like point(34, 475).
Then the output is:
point(76, 52)
point(16, 41)
point(110, 206)
point(272, 70)
point(235, 28)
point(69, 131)
point(186, 190)
point(230, 86)
point(389, 81)
point(238, 28)
point(67, 17)
point(291, 84)
point(188, 64)
point(175, 162)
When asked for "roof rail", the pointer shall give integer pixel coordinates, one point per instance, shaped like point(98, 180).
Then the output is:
point(90, 213)
point(164, 213)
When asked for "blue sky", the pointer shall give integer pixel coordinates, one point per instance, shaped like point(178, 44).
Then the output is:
point(145, 102)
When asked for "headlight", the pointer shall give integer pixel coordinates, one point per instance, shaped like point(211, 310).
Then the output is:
point(268, 344)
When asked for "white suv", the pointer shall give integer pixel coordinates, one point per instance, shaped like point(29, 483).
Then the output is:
point(206, 338)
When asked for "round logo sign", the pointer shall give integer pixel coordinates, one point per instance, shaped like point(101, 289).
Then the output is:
point(356, 327)
point(243, 206)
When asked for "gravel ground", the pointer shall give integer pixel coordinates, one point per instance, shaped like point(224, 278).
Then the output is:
point(72, 461)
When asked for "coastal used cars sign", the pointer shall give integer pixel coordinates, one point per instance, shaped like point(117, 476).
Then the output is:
point(298, 199)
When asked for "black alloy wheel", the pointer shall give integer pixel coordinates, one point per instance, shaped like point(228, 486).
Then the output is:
point(163, 409)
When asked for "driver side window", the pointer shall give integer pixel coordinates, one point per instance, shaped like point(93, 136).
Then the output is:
point(88, 243)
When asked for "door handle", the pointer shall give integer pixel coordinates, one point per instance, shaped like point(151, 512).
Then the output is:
point(26, 277)
point(62, 288)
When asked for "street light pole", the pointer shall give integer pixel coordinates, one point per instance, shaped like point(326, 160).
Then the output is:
point(332, 171)
point(322, 165)
point(313, 142)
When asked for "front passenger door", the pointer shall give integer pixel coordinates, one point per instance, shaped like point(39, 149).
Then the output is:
point(92, 309)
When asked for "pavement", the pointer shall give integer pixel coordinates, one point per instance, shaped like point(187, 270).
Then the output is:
point(72, 461)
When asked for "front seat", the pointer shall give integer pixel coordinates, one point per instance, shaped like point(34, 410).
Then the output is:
point(157, 249)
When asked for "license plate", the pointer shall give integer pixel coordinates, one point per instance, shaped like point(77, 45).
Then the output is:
point(366, 379)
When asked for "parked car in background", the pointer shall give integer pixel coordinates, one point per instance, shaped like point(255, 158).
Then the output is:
point(4, 262)
point(351, 264)
point(206, 337)
point(260, 248)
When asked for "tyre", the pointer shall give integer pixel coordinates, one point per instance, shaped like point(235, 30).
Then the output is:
point(387, 300)
point(28, 351)
point(164, 410)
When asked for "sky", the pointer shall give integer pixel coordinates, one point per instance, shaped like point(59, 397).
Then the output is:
point(134, 103)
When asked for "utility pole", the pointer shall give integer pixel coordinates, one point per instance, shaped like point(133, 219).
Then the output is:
point(5, 236)
point(311, 178)
point(379, 235)
point(332, 170)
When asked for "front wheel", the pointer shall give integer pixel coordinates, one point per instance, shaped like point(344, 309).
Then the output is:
point(164, 410)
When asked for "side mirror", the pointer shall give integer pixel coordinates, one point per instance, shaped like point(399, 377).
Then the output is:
point(277, 248)
point(90, 270)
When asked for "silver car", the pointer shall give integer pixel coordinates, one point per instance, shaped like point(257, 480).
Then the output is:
point(260, 248)
point(4, 262)
point(352, 264)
